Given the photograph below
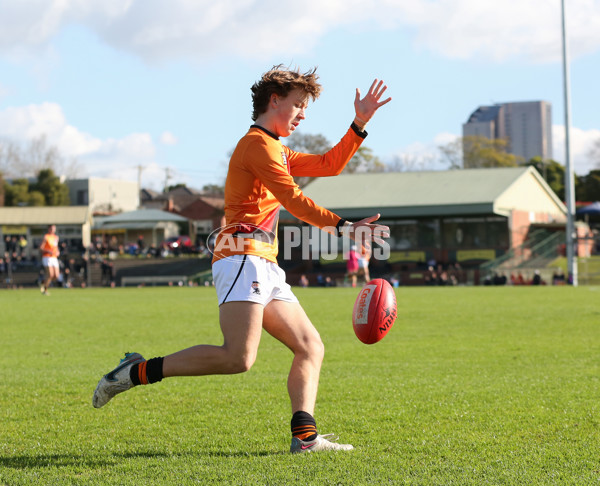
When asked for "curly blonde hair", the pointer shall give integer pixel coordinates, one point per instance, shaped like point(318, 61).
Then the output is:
point(280, 81)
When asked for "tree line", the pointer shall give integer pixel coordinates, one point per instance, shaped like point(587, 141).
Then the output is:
point(28, 174)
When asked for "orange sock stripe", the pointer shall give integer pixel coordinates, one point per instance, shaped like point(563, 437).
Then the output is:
point(304, 431)
point(305, 435)
point(142, 373)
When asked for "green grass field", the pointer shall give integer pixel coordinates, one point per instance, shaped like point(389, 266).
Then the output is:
point(481, 385)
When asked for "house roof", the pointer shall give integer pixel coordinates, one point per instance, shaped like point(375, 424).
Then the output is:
point(414, 194)
point(143, 215)
point(45, 215)
point(204, 208)
point(149, 193)
point(214, 201)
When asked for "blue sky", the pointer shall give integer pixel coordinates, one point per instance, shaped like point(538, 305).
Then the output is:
point(165, 85)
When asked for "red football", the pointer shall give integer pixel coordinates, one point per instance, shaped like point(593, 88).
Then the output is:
point(374, 311)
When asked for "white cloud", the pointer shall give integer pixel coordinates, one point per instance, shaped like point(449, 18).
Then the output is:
point(580, 141)
point(497, 31)
point(157, 30)
point(32, 121)
point(167, 138)
point(444, 138)
point(113, 158)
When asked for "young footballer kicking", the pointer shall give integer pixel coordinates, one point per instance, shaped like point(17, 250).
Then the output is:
point(251, 288)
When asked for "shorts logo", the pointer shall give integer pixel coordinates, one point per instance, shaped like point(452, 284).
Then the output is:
point(256, 288)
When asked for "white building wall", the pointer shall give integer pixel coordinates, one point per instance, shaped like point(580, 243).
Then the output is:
point(104, 195)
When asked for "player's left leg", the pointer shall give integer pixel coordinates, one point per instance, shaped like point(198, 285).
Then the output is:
point(288, 323)
point(51, 275)
point(54, 273)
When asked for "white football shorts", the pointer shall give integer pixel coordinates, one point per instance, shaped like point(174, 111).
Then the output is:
point(250, 278)
point(50, 262)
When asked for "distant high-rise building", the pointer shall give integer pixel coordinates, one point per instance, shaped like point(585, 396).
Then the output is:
point(526, 125)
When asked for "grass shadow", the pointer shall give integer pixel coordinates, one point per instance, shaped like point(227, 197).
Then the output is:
point(101, 460)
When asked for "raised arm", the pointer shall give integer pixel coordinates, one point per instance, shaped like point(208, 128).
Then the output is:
point(334, 161)
point(366, 107)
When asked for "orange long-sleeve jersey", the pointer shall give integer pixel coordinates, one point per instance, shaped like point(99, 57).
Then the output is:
point(49, 246)
point(260, 181)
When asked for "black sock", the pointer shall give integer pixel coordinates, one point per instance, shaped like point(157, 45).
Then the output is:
point(147, 372)
point(304, 426)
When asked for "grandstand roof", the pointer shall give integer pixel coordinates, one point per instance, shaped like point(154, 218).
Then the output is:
point(440, 193)
point(45, 215)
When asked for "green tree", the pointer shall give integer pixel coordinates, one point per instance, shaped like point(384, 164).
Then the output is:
point(588, 187)
point(1, 190)
point(364, 161)
point(453, 153)
point(17, 193)
point(482, 152)
point(473, 152)
point(175, 186)
point(308, 144)
point(35, 198)
point(54, 191)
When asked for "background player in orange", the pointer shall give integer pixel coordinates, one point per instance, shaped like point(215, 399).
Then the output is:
point(251, 288)
point(50, 252)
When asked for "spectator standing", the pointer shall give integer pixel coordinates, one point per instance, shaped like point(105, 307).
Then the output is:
point(22, 246)
point(352, 265)
point(140, 244)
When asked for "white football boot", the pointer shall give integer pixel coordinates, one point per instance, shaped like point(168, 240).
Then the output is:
point(116, 381)
point(321, 443)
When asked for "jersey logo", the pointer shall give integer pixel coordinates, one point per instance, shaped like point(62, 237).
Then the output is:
point(284, 158)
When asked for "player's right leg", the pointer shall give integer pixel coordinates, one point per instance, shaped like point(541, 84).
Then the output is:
point(241, 325)
point(47, 282)
point(116, 381)
point(240, 314)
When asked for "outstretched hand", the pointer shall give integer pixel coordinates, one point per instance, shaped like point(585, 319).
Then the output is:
point(364, 231)
point(366, 107)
